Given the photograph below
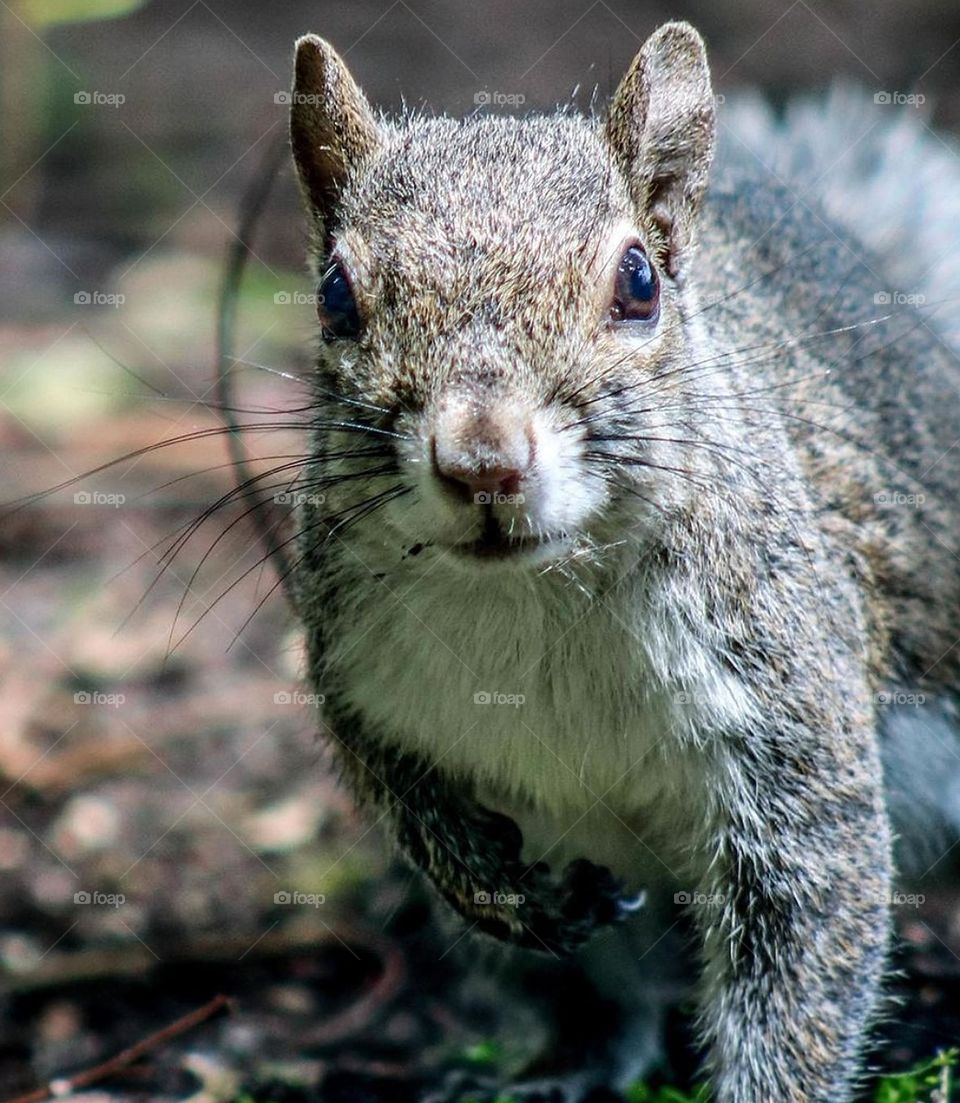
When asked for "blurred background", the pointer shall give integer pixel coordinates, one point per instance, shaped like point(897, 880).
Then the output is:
point(169, 827)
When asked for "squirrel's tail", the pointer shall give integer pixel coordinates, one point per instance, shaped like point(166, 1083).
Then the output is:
point(876, 168)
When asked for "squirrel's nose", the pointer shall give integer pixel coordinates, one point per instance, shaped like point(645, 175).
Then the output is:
point(480, 481)
point(479, 486)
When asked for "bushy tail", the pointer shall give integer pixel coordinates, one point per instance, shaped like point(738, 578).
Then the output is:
point(878, 170)
point(885, 176)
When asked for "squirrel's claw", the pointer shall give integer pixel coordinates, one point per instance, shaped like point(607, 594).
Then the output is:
point(630, 904)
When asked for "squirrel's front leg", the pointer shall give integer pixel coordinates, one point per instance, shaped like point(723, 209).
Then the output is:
point(794, 921)
point(473, 855)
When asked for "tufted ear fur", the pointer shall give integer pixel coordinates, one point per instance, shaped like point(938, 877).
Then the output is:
point(332, 127)
point(660, 130)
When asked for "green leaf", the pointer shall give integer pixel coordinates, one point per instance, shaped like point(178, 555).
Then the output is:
point(45, 13)
point(921, 1084)
point(483, 1053)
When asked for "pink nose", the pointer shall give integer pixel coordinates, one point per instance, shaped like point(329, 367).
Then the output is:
point(480, 487)
point(475, 481)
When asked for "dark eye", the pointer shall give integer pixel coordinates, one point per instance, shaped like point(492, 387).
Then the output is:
point(336, 305)
point(636, 294)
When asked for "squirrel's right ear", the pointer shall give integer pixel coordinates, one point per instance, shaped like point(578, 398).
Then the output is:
point(660, 129)
point(332, 127)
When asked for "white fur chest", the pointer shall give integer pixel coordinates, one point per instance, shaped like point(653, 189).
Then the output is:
point(565, 710)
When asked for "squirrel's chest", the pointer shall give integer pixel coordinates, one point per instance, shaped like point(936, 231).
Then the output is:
point(554, 702)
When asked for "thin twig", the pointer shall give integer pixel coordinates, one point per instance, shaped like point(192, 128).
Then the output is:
point(64, 1086)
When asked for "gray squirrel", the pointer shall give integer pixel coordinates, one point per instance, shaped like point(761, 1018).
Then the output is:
point(629, 541)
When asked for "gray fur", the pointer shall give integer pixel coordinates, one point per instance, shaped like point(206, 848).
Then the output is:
point(851, 156)
point(739, 529)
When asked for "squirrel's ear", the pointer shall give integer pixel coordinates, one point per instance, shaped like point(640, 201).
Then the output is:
point(332, 127)
point(660, 129)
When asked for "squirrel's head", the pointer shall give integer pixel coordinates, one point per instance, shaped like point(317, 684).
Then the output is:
point(503, 303)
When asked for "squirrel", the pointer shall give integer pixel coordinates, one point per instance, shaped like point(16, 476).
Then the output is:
point(629, 518)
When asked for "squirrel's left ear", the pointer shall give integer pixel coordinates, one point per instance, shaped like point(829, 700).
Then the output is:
point(332, 126)
point(660, 129)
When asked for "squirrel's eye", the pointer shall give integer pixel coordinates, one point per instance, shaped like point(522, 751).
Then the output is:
point(336, 305)
point(636, 295)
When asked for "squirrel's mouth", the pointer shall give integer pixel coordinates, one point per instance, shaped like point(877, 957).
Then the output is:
point(498, 541)
point(500, 547)
point(496, 544)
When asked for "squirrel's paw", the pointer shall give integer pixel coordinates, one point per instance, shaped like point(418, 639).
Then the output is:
point(560, 916)
point(528, 905)
point(591, 897)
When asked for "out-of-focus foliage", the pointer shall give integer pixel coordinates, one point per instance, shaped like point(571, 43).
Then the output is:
point(46, 13)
